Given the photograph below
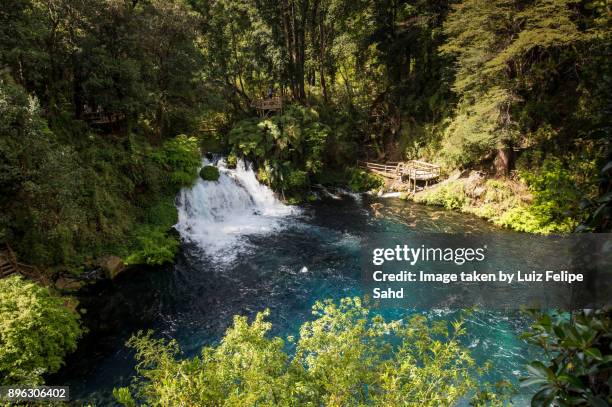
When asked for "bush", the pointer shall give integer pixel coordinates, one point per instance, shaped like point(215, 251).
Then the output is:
point(556, 196)
point(577, 369)
point(362, 181)
point(154, 247)
point(36, 331)
point(209, 173)
point(449, 195)
point(286, 148)
point(181, 157)
point(346, 356)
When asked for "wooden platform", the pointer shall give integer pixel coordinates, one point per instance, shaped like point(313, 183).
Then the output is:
point(268, 105)
point(405, 171)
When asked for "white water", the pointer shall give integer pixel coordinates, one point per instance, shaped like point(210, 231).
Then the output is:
point(218, 215)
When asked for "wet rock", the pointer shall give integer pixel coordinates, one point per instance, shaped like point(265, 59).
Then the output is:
point(112, 266)
point(376, 209)
point(67, 283)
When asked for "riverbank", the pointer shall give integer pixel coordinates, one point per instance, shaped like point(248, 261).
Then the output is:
point(505, 202)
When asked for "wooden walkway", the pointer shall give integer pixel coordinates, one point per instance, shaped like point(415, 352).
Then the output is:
point(268, 105)
point(9, 266)
point(410, 171)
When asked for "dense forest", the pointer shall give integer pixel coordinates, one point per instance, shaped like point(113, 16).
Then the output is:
point(106, 107)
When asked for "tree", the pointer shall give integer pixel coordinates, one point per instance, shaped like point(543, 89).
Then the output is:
point(37, 330)
point(345, 356)
point(507, 54)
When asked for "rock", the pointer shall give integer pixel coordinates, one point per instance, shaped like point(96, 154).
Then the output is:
point(66, 283)
point(112, 266)
point(474, 184)
point(375, 208)
point(399, 186)
point(478, 191)
point(457, 174)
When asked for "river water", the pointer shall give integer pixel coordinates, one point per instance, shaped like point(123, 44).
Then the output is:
point(244, 251)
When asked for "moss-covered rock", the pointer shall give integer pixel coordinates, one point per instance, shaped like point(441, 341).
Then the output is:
point(209, 173)
point(112, 266)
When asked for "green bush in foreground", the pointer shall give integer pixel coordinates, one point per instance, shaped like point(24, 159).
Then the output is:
point(36, 331)
point(209, 173)
point(344, 357)
point(577, 372)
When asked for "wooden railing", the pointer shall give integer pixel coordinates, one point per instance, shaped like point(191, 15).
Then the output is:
point(420, 170)
point(31, 272)
point(273, 103)
point(387, 169)
point(102, 118)
point(413, 171)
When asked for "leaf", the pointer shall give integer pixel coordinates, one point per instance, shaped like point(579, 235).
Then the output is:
point(594, 353)
point(531, 381)
point(538, 369)
point(573, 381)
point(597, 402)
point(544, 397)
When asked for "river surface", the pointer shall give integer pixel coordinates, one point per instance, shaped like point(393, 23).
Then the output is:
point(244, 251)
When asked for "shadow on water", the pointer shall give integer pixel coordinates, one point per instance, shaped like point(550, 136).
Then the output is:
point(313, 255)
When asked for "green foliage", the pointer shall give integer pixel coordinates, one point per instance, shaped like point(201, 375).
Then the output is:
point(36, 331)
point(521, 219)
point(181, 157)
point(153, 247)
point(450, 195)
point(84, 199)
point(578, 362)
point(209, 173)
point(287, 148)
point(512, 75)
point(557, 192)
point(362, 181)
point(497, 191)
point(599, 209)
point(345, 356)
point(45, 178)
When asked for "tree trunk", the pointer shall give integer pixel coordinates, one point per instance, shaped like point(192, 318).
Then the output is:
point(503, 161)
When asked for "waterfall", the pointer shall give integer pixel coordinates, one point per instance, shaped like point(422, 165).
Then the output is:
point(218, 215)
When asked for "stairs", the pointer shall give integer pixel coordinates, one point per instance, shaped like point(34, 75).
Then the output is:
point(10, 265)
point(7, 266)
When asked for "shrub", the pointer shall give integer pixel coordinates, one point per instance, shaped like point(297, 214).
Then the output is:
point(556, 196)
point(181, 158)
point(346, 356)
point(449, 195)
point(209, 173)
point(154, 247)
point(362, 181)
point(286, 148)
point(36, 331)
point(577, 369)
point(521, 219)
point(497, 191)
